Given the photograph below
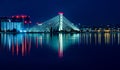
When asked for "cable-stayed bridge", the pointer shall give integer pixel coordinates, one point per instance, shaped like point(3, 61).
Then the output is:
point(57, 23)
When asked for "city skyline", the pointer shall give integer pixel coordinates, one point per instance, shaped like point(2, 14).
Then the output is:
point(84, 12)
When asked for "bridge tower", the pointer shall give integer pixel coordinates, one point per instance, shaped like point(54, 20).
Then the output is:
point(60, 21)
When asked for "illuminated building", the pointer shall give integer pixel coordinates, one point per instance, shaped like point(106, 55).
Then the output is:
point(25, 19)
point(16, 23)
point(9, 24)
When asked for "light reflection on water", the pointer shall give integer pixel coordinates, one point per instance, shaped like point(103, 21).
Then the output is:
point(21, 44)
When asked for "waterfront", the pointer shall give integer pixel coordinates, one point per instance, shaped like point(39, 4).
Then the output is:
point(93, 51)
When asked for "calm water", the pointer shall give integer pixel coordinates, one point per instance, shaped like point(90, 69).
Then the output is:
point(85, 51)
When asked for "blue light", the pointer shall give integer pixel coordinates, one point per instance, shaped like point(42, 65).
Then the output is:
point(24, 31)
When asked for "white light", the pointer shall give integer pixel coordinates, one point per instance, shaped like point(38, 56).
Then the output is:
point(9, 20)
point(39, 24)
point(21, 31)
point(61, 22)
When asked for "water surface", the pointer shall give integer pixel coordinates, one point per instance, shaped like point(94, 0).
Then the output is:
point(93, 51)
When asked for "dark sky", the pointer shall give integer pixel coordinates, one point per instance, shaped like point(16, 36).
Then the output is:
point(77, 11)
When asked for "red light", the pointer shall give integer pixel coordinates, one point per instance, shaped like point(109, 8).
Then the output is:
point(17, 16)
point(23, 16)
point(60, 13)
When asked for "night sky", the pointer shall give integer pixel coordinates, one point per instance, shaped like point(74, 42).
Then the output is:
point(78, 11)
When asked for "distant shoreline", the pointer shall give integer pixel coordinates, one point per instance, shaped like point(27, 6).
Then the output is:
point(63, 32)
